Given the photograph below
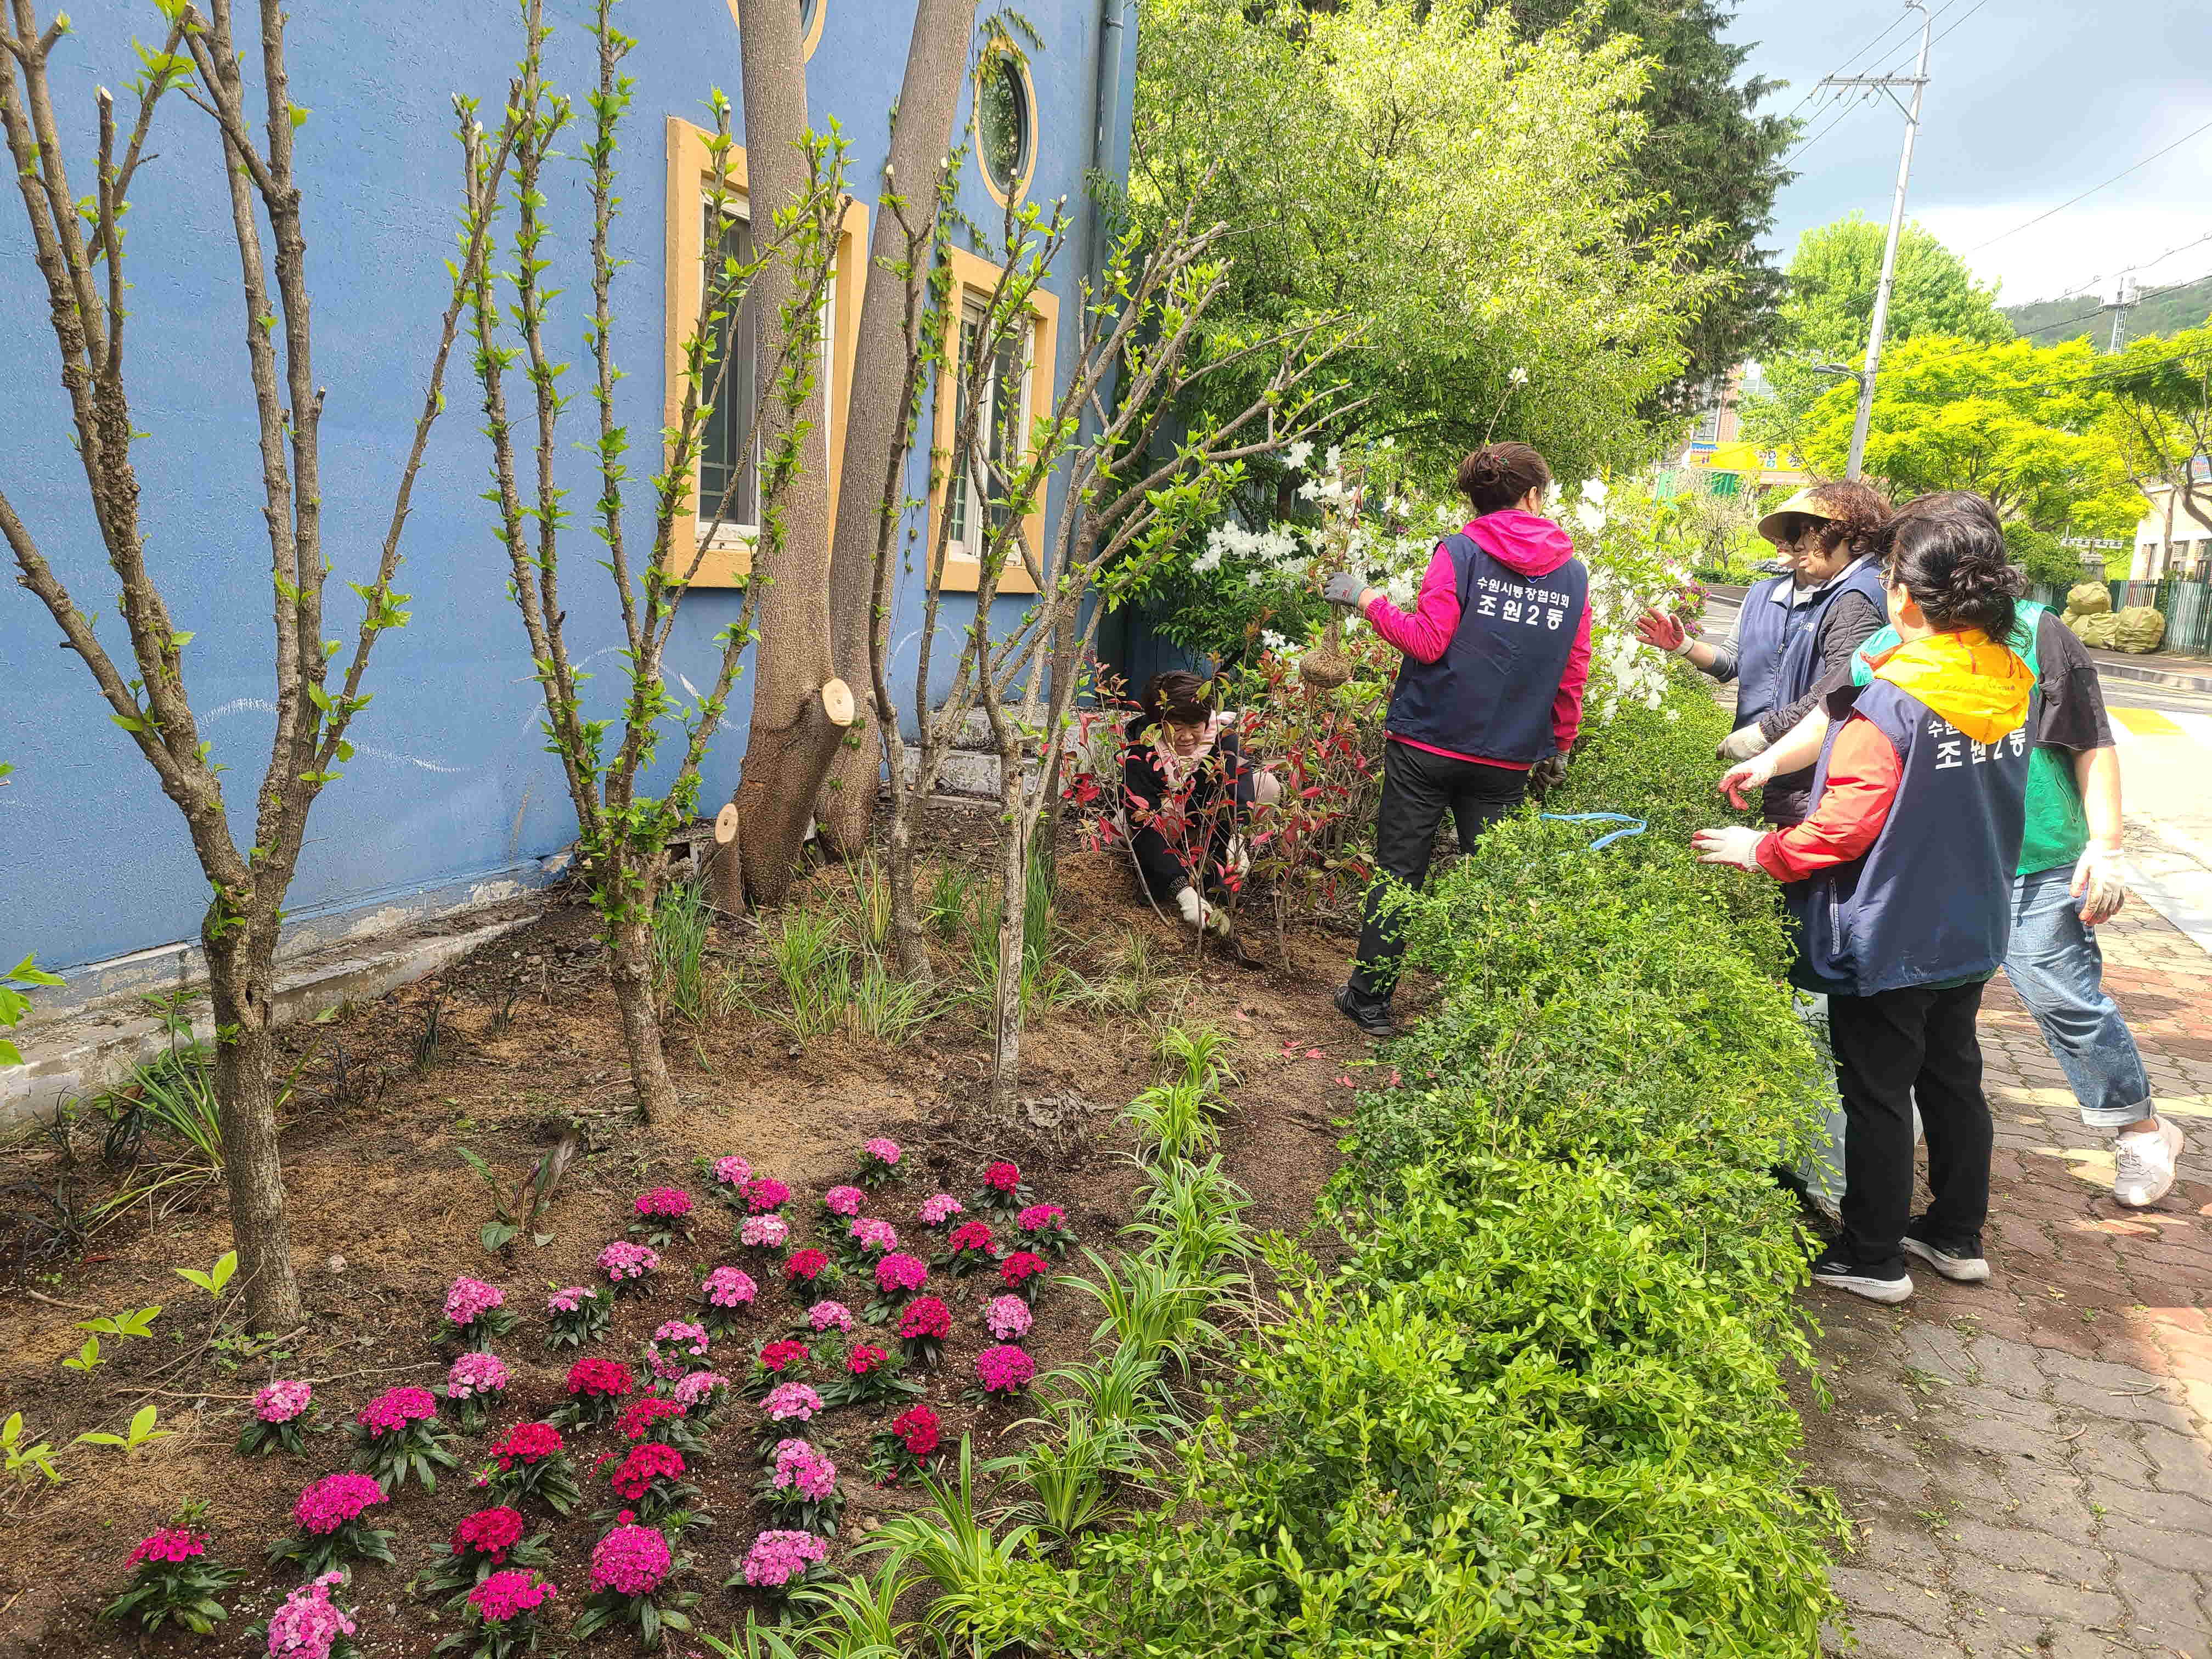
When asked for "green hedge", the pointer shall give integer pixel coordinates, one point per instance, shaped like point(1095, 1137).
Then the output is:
point(1541, 1410)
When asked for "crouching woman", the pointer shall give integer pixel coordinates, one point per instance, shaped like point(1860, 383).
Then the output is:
point(1905, 865)
point(1186, 789)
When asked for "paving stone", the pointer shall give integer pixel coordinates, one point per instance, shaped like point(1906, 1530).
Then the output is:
point(2090, 1400)
point(1886, 1638)
point(1875, 1593)
point(1986, 1633)
point(2008, 1366)
point(2008, 1435)
point(1900, 1549)
point(2001, 1589)
point(2105, 1447)
point(1938, 1350)
point(2158, 1595)
point(2167, 1511)
point(2180, 1462)
point(2073, 1563)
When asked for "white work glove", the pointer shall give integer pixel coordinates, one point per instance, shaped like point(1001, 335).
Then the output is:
point(1732, 844)
point(1667, 633)
point(1193, 908)
point(1744, 742)
point(2101, 884)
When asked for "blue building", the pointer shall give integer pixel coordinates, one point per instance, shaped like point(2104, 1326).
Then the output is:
point(450, 798)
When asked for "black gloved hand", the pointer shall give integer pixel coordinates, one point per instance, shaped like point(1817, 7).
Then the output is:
point(1547, 774)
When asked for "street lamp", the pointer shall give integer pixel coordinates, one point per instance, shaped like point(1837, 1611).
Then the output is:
point(1843, 369)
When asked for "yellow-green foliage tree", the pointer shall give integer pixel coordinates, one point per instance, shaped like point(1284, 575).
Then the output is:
point(2024, 425)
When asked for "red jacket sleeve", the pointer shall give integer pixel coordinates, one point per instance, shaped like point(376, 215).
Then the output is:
point(1423, 634)
point(1567, 701)
point(1864, 771)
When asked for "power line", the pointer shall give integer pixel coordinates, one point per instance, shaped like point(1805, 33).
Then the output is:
point(1855, 57)
point(1955, 22)
point(2092, 191)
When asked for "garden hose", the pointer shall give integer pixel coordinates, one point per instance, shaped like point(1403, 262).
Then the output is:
point(1636, 826)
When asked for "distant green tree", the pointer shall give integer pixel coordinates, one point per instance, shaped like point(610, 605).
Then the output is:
point(2159, 407)
point(2041, 555)
point(1832, 277)
point(1708, 159)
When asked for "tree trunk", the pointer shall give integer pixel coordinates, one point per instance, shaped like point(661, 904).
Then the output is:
point(790, 745)
point(909, 943)
point(877, 438)
point(241, 974)
point(1013, 918)
point(630, 967)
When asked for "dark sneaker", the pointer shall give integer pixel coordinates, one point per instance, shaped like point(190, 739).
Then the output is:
point(1876, 1284)
point(1955, 1259)
point(1372, 1017)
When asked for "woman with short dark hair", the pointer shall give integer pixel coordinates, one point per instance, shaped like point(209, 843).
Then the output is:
point(1497, 653)
point(1185, 785)
point(1902, 877)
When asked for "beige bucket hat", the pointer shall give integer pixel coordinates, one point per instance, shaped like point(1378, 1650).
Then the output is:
point(1802, 505)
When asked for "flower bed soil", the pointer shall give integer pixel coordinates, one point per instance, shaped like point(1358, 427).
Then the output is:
point(384, 1215)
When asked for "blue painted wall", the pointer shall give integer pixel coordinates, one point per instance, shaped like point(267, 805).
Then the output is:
point(450, 783)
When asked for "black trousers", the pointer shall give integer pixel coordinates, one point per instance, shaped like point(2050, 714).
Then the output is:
point(1418, 789)
point(1892, 1048)
point(1166, 870)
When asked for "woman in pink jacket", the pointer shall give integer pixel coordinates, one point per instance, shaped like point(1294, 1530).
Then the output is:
point(1497, 654)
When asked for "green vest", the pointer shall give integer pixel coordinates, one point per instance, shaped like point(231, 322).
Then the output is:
point(2057, 828)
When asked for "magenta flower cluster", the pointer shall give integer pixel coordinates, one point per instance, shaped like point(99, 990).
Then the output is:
point(788, 1400)
point(871, 1234)
point(471, 1299)
point(1004, 1369)
point(830, 1316)
point(766, 1193)
point(764, 1231)
point(571, 1298)
point(800, 1468)
point(328, 1504)
point(669, 1203)
point(623, 1260)
point(732, 1171)
point(940, 1207)
point(1039, 1216)
point(170, 1544)
point(698, 1386)
point(844, 1200)
point(395, 1408)
point(631, 1559)
point(280, 1402)
point(1008, 1317)
point(729, 1287)
point(777, 1558)
point(900, 1272)
point(309, 1625)
point(884, 1152)
point(505, 1594)
point(476, 1374)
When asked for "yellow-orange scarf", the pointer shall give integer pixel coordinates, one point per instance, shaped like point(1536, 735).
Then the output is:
point(1980, 687)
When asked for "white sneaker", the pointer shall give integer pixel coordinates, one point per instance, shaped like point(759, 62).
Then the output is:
point(2142, 1162)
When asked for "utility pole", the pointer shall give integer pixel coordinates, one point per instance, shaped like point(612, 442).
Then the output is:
point(2123, 300)
point(1918, 82)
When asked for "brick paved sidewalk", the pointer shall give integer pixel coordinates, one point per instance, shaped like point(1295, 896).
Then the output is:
point(2029, 1461)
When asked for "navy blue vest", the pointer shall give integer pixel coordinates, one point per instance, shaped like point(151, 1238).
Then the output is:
point(1777, 656)
point(1930, 901)
point(1489, 694)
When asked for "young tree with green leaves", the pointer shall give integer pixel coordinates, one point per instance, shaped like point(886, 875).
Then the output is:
point(78, 246)
point(1468, 192)
point(622, 834)
point(2158, 403)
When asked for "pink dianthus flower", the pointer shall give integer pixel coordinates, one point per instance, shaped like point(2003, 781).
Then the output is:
point(766, 1193)
point(623, 1260)
point(800, 1468)
point(926, 1316)
point(830, 1316)
point(766, 1232)
point(788, 1400)
point(327, 1504)
point(470, 1299)
point(732, 1171)
point(884, 1152)
point(872, 1234)
point(491, 1532)
point(170, 1544)
point(844, 1200)
point(395, 1408)
point(570, 1298)
point(646, 1463)
point(669, 1203)
point(778, 1557)
point(631, 1559)
point(729, 1287)
point(1004, 1369)
point(900, 1272)
point(698, 1387)
point(526, 1444)
point(280, 1402)
point(1002, 1176)
point(940, 1207)
point(474, 1374)
point(1039, 1216)
point(971, 1236)
point(504, 1594)
point(1008, 1317)
point(307, 1626)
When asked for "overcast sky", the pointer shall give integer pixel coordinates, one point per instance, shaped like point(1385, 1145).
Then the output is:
point(2030, 102)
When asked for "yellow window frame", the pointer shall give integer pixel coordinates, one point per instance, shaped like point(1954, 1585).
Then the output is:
point(973, 275)
point(690, 170)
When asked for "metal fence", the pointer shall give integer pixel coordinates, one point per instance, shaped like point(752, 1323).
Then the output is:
point(2186, 601)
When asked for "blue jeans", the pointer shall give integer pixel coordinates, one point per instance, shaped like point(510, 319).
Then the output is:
point(2056, 968)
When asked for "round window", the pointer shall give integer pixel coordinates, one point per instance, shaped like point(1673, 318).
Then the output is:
point(1004, 122)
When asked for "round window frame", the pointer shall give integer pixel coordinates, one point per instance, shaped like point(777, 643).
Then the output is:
point(813, 35)
point(1001, 53)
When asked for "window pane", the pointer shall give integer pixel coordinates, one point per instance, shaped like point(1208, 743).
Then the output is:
point(1002, 121)
point(729, 461)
